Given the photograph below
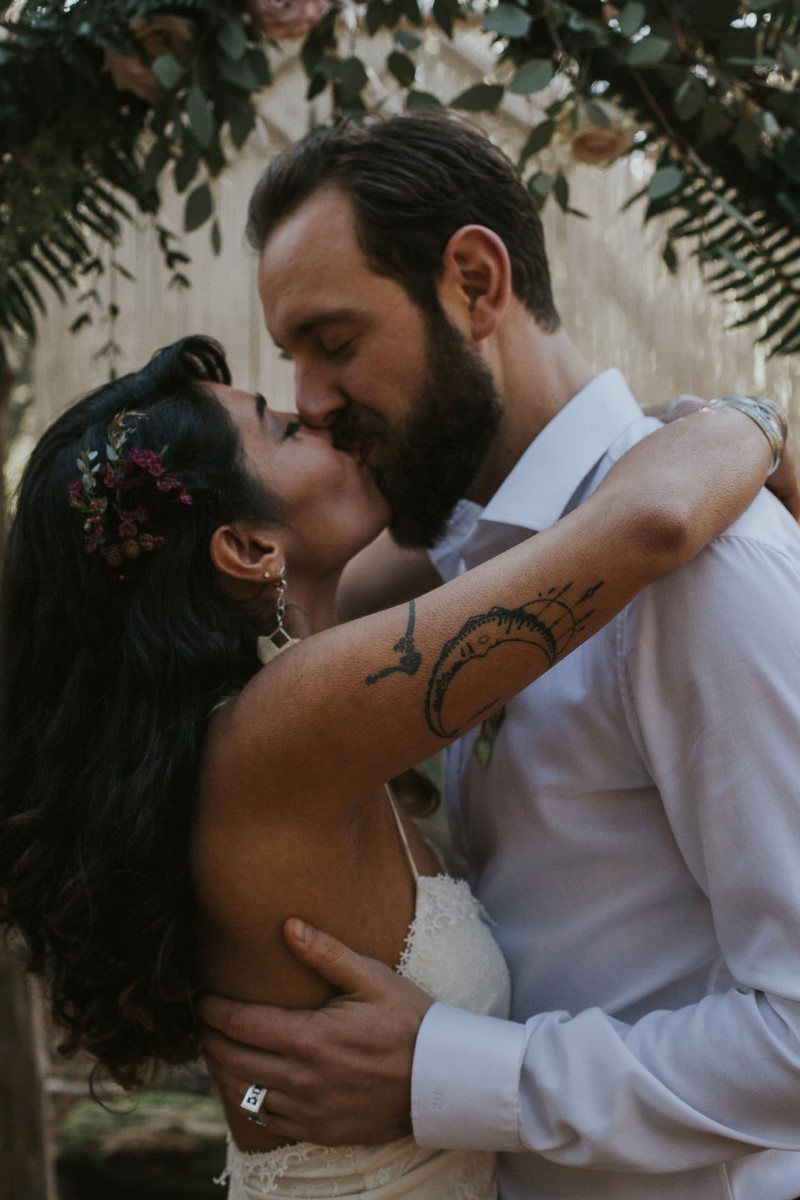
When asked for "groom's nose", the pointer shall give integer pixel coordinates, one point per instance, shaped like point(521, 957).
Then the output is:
point(318, 401)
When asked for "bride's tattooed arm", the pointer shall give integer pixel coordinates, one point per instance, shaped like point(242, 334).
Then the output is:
point(546, 624)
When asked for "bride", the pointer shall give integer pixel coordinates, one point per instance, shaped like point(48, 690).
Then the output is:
point(167, 800)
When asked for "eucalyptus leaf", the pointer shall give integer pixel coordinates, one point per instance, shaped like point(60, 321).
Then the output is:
point(374, 16)
point(317, 84)
point(167, 70)
point(481, 97)
point(351, 76)
point(561, 190)
point(632, 18)
point(532, 76)
point(242, 122)
point(540, 136)
point(232, 38)
point(417, 101)
point(665, 181)
point(411, 11)
point(408, 41)
point(240, 73)
point(443, 15)
point(256, 60)
point(402, 68)
point(649, 51)
point(690, 98)
point(747, 137)
point(157, 159)
point(186, 169)
point(199, 207)
point(539, 186)
point(670, 257)
point(200, 116)
point(507, 20)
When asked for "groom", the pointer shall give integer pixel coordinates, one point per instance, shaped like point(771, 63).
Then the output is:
point(633, 824)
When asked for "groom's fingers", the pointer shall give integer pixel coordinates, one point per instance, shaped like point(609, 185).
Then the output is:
point(267, 1026)
point(234, 1061)
point(344, 1069)
point(348, 971)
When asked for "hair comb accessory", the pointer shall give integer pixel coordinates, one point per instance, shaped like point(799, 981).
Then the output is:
point(113, 526)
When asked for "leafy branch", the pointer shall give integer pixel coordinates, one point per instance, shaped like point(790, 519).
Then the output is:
point(101, 100)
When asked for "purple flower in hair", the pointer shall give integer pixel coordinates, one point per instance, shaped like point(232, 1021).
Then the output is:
point(100, 487)
point(167, 484)
point(148, 460)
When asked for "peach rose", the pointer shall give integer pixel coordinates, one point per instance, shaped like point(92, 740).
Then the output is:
point(131, 74)
point(597, 145)
point(282, 19)
point(162, 35)
point(159, 35)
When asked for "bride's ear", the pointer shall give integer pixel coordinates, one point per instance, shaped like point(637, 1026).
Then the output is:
point(245, 553)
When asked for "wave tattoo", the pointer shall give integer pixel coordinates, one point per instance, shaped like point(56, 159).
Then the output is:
point(547, 624)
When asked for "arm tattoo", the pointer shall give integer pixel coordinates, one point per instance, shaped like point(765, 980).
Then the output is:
point(547, 624)
point(410, 658)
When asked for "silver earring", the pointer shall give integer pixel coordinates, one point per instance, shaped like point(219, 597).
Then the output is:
point(280, 639)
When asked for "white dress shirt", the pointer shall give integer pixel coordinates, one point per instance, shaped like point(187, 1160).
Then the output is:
point(636, 838)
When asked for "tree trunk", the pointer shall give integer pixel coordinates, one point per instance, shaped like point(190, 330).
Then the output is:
point(26, 1165)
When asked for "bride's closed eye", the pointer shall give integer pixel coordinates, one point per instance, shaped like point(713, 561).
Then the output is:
point(291, 428)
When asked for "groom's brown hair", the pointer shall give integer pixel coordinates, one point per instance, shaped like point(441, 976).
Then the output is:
point(413, 181)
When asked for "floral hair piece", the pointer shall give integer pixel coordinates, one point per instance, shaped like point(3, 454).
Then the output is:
point(111, 527)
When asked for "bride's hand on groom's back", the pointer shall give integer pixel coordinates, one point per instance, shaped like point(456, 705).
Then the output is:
point(339, 1075)
point(783, 482)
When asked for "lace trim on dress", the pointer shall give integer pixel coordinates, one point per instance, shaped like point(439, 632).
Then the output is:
point(254, 1168)
point(360, 1170)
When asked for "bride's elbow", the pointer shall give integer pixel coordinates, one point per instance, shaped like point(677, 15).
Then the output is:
point(663, 535)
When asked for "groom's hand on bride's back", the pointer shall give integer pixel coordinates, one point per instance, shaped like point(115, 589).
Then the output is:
point(338, 1075)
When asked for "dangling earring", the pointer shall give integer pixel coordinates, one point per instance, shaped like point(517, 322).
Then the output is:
point(280, 639)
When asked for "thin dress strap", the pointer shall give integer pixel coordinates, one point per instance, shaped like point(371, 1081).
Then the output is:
point(402, 833)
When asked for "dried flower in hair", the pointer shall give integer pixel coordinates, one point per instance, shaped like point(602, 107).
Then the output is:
point(123, 471)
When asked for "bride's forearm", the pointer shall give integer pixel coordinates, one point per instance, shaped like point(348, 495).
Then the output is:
point(691, 480)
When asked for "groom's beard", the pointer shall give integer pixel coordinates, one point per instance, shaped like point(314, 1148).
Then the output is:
point(429, 461)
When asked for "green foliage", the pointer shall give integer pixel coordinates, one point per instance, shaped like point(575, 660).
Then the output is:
point(710, 89)
point(78, 156)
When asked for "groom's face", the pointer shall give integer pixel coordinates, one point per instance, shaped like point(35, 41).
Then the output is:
point(402, 389)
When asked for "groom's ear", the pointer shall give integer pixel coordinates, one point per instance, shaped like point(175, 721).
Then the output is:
point(476, 278)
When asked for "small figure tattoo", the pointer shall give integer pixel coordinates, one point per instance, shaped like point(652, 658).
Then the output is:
point(547, 624)
point(410, 658)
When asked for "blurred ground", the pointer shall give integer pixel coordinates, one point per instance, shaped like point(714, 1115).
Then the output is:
point(163, 1143)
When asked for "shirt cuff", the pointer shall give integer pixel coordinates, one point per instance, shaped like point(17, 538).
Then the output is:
point(465, 1080)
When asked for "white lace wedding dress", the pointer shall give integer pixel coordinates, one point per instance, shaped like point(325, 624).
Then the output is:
point(451, 953)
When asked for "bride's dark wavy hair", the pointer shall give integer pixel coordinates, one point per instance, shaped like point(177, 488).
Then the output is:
point(106, 685)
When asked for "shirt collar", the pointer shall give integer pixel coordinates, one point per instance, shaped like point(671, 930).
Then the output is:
point(539, 488)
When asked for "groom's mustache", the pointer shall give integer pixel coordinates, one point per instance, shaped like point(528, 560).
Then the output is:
point(354, 431)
